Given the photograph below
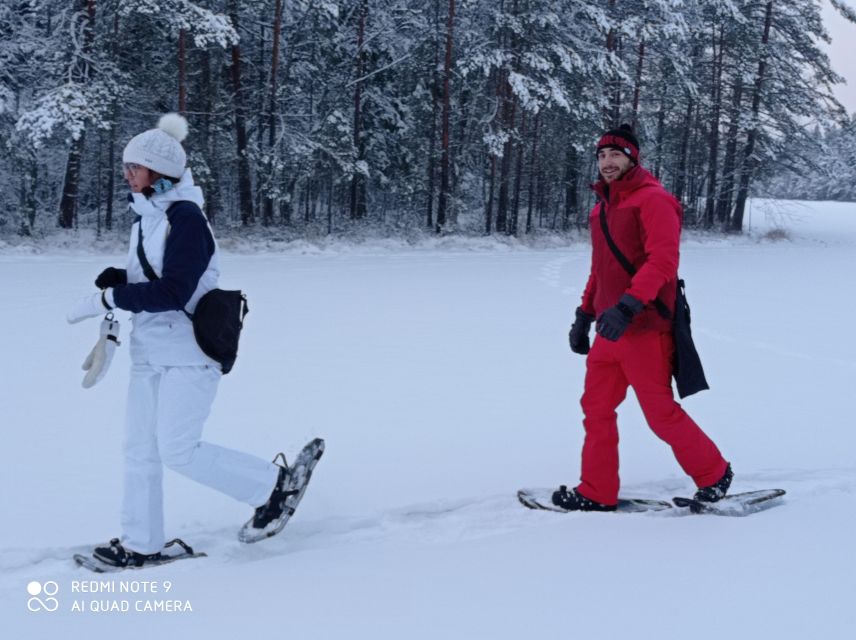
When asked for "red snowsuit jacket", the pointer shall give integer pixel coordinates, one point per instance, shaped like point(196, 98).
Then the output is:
point(644, 221)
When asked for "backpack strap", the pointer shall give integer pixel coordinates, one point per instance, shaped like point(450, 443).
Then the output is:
point(141, 254)
point(662, 309)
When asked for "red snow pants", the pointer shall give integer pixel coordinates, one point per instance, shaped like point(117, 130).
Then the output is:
point(643, 361)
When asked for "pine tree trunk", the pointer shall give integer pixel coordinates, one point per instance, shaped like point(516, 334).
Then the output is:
point(182, 74)
point(488, 212)
point(463, 110)
point(686, 131)
point(518, 177)
point(111, 171)
point(212, 185)
point(81, 72)
point(713, 137)
point(637, 88)
point(358, 186)
point(330, 205)
point(245, 188)
point(532, 172)
point(571, 204)
point(695, 150)
point(661, 121)
point(261, 95)
point(435, 108)
point(99, 173)
point(313, 205)
point(726, 193)
point(510, 109)
point(540, 193)
point(71, 184)
point(444, 140)
point(497, 76)
point(611, 112)
point(749, 162)
point(111, 142)
point(268, 214)
point(31, 205)
point(288, 205)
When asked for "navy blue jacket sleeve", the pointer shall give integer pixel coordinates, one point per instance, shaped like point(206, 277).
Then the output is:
point(188, 250)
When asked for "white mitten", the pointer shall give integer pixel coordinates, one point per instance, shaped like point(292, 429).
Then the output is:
point(99, 359)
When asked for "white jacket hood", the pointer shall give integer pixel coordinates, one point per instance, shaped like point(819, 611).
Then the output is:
point(157, 205)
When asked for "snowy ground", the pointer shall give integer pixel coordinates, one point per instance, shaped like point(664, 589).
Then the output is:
point(442, 382)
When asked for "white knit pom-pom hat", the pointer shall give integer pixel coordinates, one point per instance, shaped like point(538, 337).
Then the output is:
point(160, 149)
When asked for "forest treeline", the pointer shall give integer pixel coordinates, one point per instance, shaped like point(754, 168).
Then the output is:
point(325, 116)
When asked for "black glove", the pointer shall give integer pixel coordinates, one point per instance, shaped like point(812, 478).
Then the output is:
point(613, 322)
point(578, 335)
point(111, 277)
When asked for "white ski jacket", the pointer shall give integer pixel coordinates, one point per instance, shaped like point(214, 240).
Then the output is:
point(181, 249)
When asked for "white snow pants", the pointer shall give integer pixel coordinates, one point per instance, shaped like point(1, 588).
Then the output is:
point(167, 408)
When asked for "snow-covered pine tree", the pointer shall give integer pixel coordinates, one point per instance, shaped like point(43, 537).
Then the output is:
point(303, 122)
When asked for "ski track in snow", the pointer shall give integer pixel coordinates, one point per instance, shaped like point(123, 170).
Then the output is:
point(552, 273)
point(770, 348)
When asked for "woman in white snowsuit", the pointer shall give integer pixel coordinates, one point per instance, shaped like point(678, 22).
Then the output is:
point(173, 383)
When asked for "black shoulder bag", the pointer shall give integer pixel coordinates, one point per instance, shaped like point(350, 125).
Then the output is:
point(217, 320)
point(686, 369)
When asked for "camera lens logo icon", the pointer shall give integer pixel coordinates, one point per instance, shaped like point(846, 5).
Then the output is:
point(49, 589)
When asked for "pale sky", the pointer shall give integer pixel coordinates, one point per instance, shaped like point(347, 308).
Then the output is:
point(842, 53)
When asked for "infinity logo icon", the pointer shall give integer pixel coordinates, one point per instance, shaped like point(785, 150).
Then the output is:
point(49, 588)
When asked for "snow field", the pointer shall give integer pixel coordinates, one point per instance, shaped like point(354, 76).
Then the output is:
point(442, 382)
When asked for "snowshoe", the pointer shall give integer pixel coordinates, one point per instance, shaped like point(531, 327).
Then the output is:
point(270, 518)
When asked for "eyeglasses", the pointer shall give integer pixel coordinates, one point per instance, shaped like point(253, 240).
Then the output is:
point(131, 168)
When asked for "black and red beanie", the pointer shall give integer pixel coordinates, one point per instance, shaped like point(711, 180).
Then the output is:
point(622, 139)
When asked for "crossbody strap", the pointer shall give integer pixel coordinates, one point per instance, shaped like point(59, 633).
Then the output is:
point(148, 271)
point(662, 309)
point(144, 262)
point(141, 254)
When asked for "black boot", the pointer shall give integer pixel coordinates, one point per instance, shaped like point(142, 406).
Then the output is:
point(574, 501)
point(273, 508)
point(716, 491)
point(270, 518)
point(116, 555)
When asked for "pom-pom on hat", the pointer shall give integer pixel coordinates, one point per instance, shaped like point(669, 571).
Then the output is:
point(160, 149)
point(622, 139)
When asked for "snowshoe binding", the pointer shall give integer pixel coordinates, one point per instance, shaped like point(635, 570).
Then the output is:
point(271, 517)
point(716, 491)
point(115, 557)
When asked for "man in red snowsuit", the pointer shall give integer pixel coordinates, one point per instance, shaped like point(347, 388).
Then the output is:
point(634, 345)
